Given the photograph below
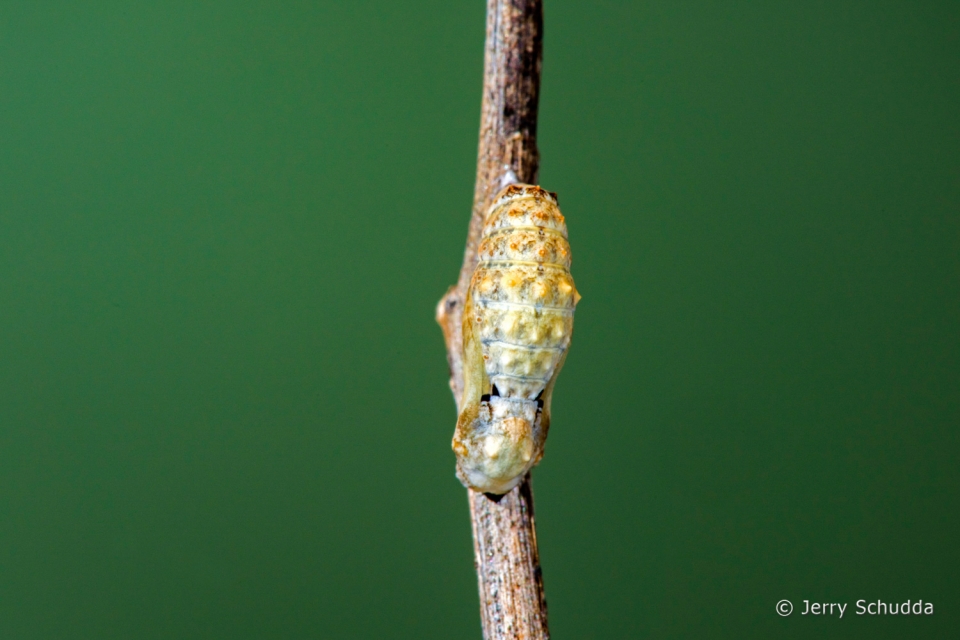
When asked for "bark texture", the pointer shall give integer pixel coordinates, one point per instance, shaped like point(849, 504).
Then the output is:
point(512, 604)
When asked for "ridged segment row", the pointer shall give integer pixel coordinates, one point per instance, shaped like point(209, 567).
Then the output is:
point(522, 290)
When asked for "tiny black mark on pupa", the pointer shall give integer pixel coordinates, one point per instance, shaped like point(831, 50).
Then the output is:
point(495, 497)
point(494, 391)
point(485, 397)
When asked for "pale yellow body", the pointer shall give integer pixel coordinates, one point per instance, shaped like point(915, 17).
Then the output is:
point(517, 323)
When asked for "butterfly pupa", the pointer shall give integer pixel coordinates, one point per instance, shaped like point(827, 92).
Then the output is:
point(517, 323)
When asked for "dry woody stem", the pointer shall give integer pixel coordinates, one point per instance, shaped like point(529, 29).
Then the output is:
point(512, 604)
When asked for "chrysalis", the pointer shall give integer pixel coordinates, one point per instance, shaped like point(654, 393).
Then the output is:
point(517, 321)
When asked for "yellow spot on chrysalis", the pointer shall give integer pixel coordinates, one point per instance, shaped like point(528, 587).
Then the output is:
point(509, 323)
point(558, 328)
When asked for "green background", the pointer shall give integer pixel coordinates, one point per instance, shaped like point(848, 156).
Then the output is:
point(223, 400)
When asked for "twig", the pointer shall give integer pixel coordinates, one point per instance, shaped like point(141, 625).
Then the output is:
point(512, 605)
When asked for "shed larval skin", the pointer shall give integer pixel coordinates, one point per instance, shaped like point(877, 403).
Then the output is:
point(517, 323)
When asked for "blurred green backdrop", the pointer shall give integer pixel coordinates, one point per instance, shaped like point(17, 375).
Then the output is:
point(223, 400)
